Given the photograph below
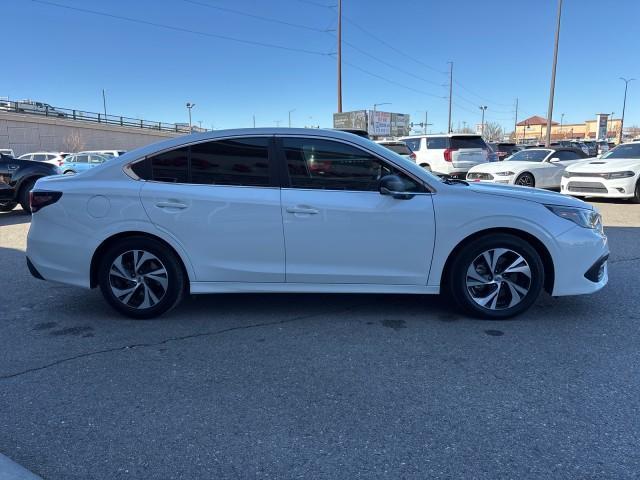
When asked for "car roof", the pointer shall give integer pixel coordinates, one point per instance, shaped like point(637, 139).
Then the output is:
point(430, 135)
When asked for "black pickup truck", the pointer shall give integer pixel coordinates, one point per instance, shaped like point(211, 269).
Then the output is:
point(17, 178)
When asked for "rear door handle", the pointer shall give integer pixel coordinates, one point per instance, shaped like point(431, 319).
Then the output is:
point(307, 210)
point(171, 205)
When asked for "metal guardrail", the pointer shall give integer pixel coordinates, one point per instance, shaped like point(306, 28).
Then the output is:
point(43, 109)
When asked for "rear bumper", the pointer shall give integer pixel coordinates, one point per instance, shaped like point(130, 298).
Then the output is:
point(33, 270)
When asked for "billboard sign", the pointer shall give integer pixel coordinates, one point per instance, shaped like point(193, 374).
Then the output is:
point(400, 124)
point(601, 124)
point(379, 123)
point(356, 120)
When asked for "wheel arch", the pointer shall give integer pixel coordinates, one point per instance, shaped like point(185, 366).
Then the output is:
point(25, 180)
point(527, 172)
point(541, 249)
point(108, 242)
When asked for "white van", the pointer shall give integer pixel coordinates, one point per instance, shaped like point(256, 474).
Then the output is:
point(450, 154)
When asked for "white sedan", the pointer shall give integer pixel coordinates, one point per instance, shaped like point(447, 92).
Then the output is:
point(615, 175)
point(533, 167)
point(301, 210)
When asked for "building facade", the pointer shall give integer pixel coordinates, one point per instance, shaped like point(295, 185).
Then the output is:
point(534, 129)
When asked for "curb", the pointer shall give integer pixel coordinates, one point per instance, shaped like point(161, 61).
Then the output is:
point(10, 470)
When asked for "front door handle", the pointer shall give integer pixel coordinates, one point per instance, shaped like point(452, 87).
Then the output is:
point(306, 210)
point(171, 205)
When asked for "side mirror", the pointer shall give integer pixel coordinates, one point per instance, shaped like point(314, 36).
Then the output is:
point(394, 186)
point(554, 160)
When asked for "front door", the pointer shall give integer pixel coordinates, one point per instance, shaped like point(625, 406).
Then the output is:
point(220, 201)
point(339, 229)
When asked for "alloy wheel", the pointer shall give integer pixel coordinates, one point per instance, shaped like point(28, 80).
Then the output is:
point(138, 279)
point(498, 279)
point(525, 180)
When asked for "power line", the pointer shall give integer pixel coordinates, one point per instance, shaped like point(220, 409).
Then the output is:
point(471, 102)
point(183, 30)
point(399, 69)
point(388, 45)
point(480, 96)
point(393, 82)
point(310, 2)
point(258, 17)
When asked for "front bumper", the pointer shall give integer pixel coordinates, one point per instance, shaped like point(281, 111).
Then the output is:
point(580, 252)
point(598, 187)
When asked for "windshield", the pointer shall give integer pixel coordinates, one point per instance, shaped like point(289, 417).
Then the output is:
point(626, 150)
point(529, 156)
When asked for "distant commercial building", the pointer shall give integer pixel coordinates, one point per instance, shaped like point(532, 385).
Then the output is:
point(534, 129)
point(377, 124)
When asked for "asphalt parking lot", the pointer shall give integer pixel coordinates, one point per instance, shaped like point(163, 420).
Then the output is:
point(321, 386)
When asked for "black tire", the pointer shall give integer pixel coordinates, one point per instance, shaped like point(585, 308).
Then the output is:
point(460, 291)
point(426, 166)
point(69, 172)
point(526, 180)
point(176, 279)
point(23, 196)
point(7, 206)
point(636, 196)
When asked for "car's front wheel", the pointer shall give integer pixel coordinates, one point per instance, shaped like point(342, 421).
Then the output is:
point(496, 277)
point(141, 277)
point(636, 193)
point(526, 180)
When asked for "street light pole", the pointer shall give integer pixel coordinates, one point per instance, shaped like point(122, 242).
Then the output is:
point(553, 76)
point(450, 94)
point(104, 105)
point(290, 112)
point(624, 104)
point(561, 124)
point(610, 125)
point(339, 56)
point(483, 108)
point(189, 107)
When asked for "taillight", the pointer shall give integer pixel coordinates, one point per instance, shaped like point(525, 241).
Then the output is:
point(412, 156)
point(38, 200)
point(447, 154)
point(60, 162)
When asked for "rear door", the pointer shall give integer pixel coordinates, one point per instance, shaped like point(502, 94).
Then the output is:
point(467, 151)
point(220, 200)
point(339, 229)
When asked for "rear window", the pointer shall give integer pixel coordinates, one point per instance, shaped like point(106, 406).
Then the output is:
point(468, 142)
point(437, 143)
point(413, 143)
point(399, 148)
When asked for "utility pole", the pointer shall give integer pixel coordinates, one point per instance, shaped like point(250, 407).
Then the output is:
point(610, 124)
point(339, 56)
point(484, 109)
point(449, 126)
point(291, 111)
point(104, 105)
point(426, 121)
point(254, 120)
point(515, 123)
point(624, 104)
point(553, 76)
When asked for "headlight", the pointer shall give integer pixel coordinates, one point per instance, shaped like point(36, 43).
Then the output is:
point(566, 174)
point(614, 175)
point(580, 216)
point(505, 174)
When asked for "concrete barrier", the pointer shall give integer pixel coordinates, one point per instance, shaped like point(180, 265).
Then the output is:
point(26, 133)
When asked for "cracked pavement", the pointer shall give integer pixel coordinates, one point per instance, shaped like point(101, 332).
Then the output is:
point(320, 386)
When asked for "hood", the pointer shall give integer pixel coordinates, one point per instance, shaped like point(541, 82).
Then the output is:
point(537, 195)
point(503, 166)
point(602, 165)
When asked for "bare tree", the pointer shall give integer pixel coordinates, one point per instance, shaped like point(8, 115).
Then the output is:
point(73, 142)
point(493, 132)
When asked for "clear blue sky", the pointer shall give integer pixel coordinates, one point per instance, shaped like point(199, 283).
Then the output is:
point(502, 49)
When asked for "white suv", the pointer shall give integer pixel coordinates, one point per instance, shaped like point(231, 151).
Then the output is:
point(54, 158)
point(450, 154)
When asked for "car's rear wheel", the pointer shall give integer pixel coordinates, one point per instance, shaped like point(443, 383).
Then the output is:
point(7, 206)
point(496, 277)
point(69, 172)
point(526, 180)
point(23, 196)
point(141, 278)
point(426, 166)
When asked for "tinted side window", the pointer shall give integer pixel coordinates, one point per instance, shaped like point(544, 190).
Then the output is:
point(40, 157)
point(242, 162)
point(81, 158)
point(413, 143)
point(171, 166)
point(467, 142)
point(437, 143)
point(324, 164)
point(567, 155)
